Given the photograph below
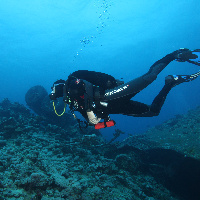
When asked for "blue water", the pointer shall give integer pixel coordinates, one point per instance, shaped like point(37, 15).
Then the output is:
point(42, 41)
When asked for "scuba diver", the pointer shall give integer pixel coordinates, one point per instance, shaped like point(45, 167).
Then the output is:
point(97, 95)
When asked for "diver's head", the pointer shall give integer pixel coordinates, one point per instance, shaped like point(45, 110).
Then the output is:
point(57, 89)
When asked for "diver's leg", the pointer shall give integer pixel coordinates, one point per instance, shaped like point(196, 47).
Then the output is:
point(137, 109)
point(170, 82)
point(127, 107)
point(159, 100)
point(136, 85)
point(148, 111)
point(180, 55)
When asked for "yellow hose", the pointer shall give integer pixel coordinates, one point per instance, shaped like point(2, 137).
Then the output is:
point(56, 111)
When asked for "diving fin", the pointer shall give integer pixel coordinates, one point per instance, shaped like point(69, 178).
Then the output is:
point(191, 56)
point(196, 60)
point(177, 79)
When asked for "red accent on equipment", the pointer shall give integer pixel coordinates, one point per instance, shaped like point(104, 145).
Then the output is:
point(99, 125)
point(104, 124)
point(110, 123)
point(77, 81)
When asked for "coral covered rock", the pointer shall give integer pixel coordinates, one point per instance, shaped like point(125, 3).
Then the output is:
point(45, 161)
point(34, 97)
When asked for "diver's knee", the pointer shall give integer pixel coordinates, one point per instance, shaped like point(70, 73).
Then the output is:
point(149, 77)
point(154, 110)
point(155, 113)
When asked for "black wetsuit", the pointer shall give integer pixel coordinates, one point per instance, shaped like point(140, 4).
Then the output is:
point(118, 96)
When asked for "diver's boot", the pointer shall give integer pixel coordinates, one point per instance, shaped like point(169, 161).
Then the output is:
point(174, 80)
point(186, 55)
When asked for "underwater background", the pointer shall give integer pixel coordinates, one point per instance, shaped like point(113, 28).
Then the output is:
point(43, 41)
point(46, 157)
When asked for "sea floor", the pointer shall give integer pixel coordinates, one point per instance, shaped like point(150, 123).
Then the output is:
point(40, 160)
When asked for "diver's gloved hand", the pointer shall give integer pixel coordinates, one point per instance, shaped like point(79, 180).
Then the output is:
point(191, 56)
